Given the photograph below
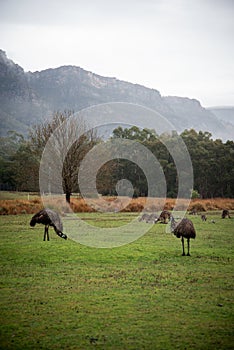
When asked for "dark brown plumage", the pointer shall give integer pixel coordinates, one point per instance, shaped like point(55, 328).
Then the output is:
point(183, 229)
point(48, 218)
point(193, 212)
point(164, 216)
point(225, 213)
point(203, 217)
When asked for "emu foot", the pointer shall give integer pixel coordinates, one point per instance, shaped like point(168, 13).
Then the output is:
point(183, 254)
point(188, 254)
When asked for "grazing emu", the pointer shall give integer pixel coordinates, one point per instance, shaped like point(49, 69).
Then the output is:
point(143, 217)
point(203, 217)
point(48, 218)
point(152, 218)
point(193, 212)
point(163, 217)
point(183, 229)
point(225, 214)
point(148, 218)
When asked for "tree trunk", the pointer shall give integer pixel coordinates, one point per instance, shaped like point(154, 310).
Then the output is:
point(68, 197)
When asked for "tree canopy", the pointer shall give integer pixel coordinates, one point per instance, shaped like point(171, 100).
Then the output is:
point(212, 160)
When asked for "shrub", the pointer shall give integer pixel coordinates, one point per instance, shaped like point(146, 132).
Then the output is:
point(133, 207)
point(3, 211)
point(195, 194)
point(197, 206)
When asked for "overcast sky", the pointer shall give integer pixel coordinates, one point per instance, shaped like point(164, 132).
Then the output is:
point(179, 47)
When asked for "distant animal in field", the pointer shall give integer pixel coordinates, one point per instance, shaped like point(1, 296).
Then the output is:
point(164, 217)
point(148, 217)
point(183, 229)
point(48, 218)
point(193, 212)
point(152, 218)
point(203, 217)
point(225, 214)
point(212, 221)
point(144, 217)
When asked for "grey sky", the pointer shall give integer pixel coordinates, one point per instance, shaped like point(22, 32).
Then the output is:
point(179, 47)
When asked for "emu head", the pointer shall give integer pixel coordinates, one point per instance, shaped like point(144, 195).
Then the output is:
point(33, 222)
point(59, 233)
point(63, 236)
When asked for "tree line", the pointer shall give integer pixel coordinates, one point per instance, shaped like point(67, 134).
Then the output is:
point(212, 160)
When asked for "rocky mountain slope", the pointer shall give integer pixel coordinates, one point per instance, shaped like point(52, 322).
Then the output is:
point(223, 113)
point(27, 98)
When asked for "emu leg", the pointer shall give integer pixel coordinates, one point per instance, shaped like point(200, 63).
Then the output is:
point(182, 240)
point(188, 254)
point(46, 233)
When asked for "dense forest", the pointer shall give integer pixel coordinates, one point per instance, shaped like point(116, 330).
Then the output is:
point(212, 161)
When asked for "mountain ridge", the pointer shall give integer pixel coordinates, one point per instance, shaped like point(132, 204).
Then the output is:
point(26, 98)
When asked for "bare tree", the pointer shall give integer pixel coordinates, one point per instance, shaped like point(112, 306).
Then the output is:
point(67, 139)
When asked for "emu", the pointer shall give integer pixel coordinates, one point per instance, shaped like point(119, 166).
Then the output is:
point(152, 218)
point(183, 229)
point(48, 218)
point(225, 213)
point(143, 217)
point(193, 212)
point(203, 217)
point(148, 218)
point(163, 217)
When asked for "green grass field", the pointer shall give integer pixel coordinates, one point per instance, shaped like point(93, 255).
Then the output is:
point(144, 295)
point(6, 195)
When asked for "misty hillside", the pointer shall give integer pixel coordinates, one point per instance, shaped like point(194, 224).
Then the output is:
point(224, 113)
point(27, 98)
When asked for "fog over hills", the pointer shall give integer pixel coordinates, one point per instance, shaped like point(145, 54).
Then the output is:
point(26, 98)
point(224, 113)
